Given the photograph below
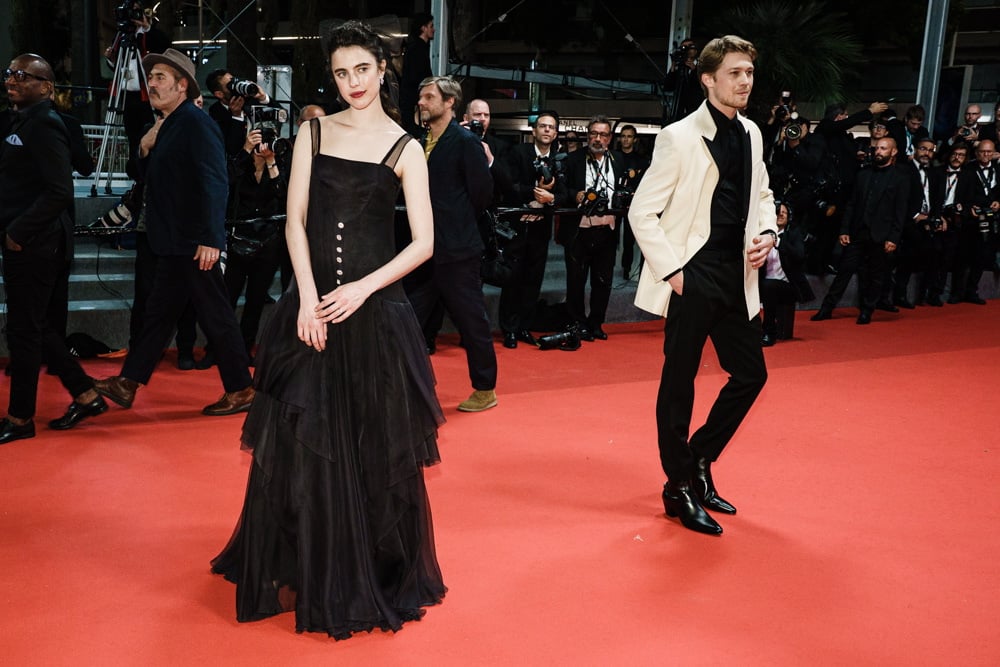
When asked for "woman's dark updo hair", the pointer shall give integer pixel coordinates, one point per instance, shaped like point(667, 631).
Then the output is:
point(356, 33)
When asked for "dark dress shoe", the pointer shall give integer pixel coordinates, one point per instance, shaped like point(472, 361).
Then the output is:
point(510, 340)
point(9, 431)
point(525, 337)
point(886, 306)
point(903, 303)
point(704, 489)
point(582, 332)
point(679, 501)
point(822, 314)
point(206, 361)
point(119, 389)
point(77, 412)
point(185, 361)
point(865, 317)
point(767, 340)
point(978, 300)
point(230, 403)
point(598, 333)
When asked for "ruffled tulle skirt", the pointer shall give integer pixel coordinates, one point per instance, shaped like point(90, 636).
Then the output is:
point(336, 523)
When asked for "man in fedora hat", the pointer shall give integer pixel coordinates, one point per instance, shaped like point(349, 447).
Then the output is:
point(182, 161)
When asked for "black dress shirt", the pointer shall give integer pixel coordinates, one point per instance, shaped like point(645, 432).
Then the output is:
point(727, 218)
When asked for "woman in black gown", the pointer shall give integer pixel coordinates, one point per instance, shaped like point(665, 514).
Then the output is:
point(336, 523)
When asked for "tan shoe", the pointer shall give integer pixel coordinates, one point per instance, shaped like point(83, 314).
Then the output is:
point(230, 403)
point(119, 389)
point(481, 399)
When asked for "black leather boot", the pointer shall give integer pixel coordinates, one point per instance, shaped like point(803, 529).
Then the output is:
point(679, 501)
point(704, 488)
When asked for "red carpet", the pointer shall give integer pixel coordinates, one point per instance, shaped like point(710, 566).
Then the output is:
point(866, 481)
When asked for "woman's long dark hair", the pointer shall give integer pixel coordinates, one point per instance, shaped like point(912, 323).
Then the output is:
point(356, 33)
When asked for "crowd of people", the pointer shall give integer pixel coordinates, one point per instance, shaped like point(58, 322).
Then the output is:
point(341, 403)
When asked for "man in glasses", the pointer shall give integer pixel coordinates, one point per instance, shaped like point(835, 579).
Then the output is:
point(590, 241)
point(36, 193)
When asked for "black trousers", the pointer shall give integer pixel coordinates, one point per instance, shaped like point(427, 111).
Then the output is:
point(177, 282)
point(713, 306)
point(529, 250)
point(628, 248)
point(975, 254)
point(37, 296)
point(145, 271)
point(459, 288)
point(778, 300)
point(591, 251)
point(869, 260)
point(256, 274)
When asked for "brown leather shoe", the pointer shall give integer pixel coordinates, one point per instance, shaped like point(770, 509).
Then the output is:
point(119, 389)
point(230, 403)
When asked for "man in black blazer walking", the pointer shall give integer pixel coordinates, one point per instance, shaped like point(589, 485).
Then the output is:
point(461, 187)
point(184, 167)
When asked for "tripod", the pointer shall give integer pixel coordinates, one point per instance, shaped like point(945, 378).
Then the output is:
point(127, 61)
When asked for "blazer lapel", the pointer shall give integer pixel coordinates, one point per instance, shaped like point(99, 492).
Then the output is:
point(747, 170)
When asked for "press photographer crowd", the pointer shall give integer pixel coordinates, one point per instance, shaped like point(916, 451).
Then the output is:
point(916, 220)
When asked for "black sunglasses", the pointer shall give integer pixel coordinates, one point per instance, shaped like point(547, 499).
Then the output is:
point(20, 75)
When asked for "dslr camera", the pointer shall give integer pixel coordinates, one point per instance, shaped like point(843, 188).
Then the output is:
point(242, 88)
point(477, 128)
point(549, 167)
point(594, 203)
point(784, 112)
point(126, 13)
point(269, 121)
point(989, 222)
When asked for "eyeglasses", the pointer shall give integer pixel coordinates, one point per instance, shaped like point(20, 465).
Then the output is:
point(20, 75)
point(602, 135)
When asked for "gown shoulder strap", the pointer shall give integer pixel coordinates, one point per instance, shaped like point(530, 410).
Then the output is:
point(314, 128)
point(392, 157)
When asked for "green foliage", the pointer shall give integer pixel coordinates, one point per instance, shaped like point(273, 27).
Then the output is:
point(802, 46)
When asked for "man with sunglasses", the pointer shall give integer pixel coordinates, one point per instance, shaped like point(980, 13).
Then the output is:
point(36, 193)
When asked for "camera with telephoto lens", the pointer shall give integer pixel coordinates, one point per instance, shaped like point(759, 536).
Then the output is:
point(793, 131)
point(126, 14)
point(242, 88)
point(594, 203)
point(269, 121)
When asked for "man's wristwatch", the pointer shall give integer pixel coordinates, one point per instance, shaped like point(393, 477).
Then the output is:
point(774, 235)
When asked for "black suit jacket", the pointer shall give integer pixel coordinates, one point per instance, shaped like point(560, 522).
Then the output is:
point(461, 188)
point(520, 175)
point(576, 181)
point(935, 190)
point(971, 191)
point(792, 255)
point(887, 213)
point(36, 180)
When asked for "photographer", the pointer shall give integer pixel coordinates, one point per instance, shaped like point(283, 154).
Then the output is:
point(535, 180)
point(783, 282)
point(917, 252)
point(979, 199)
point(258, 184)
point(590, 241)
point(232, 95)
point(682, 80)
point(783, 112)
point(635, 164)
point(969, 131)
point(803, 174)
point(135, 25)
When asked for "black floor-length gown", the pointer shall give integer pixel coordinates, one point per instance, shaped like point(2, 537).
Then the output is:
point(336, 524)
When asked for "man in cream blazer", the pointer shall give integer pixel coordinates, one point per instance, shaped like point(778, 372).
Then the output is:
point(704, 218)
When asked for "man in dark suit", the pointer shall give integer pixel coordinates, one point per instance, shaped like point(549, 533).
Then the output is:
point(182, 154)
point(36, 193)
point(916, 252)
point(870, 231)
point(783, 280)
point(461, 187)
point(527, 187)
point(416, 68)
point(590, 239)
point(978, 194)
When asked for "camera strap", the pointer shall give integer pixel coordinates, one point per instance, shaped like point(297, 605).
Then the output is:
point(987, 178)
point(600, 175)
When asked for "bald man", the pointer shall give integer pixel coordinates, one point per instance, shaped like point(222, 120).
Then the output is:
point(36, 193)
